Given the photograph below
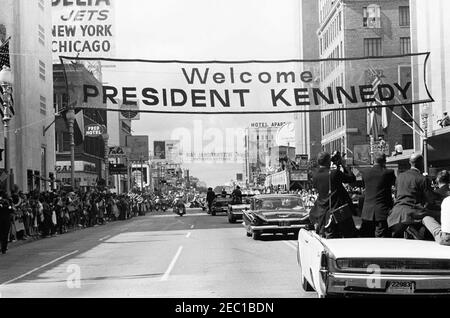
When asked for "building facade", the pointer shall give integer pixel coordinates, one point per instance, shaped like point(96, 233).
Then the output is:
point(259, 138)
point(31, 146)
point(89, 151)
point(430, 32)
point(357, 28)
point(307, 136)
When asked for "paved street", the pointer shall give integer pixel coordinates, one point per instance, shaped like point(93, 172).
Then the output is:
point(154, 256)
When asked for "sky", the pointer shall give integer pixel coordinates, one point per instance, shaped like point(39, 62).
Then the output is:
point(206, 30)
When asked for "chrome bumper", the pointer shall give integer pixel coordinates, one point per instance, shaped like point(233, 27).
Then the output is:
point(368, 284)
point(276, 227)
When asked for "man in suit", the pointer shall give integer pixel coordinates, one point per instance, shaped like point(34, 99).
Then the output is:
point(443, 190)
point(331, 199)
point(377, 198)
point(414, 195)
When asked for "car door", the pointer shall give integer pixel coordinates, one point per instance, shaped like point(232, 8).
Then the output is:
point(304, 252)
point(316, 250)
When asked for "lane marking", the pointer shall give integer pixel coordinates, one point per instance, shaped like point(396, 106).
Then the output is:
point(172, 265)
point(38, 268)
point(174, 216)
point(104, 238)
point(192, 226)
point(188, 235)
point(293, 246)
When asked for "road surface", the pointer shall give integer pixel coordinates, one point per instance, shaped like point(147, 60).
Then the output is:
point(197, 255)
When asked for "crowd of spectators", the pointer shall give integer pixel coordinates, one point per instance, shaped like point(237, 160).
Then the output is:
point(46, 214)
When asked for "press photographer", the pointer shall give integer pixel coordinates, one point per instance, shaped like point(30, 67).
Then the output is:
point(332, 214)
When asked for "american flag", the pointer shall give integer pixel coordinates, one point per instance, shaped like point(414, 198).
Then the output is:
point(5, 61)
point(4, 54)
point(373, 117)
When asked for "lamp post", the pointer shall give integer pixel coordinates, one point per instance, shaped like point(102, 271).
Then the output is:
point(106, 139)
point(424, 117)
point(6, 82)
point(70, 116)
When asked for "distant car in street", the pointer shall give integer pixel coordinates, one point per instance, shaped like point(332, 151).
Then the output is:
point(275, 213)
point(236, 210)
point(372, 266)
point(220, 204)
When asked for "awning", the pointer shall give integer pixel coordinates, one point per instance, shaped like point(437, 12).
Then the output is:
point(439, 146)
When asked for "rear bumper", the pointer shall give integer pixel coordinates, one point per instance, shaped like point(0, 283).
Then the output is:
point(276, 228)
point(368, 284)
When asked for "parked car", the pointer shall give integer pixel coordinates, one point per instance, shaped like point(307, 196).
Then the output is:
point(236, 210)
point(275, 213)
point(372, 266)
point(220, 204)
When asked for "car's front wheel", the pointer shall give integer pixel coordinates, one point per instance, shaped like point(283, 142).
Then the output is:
point(256, 235)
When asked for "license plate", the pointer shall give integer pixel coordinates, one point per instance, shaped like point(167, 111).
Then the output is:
point(397, 287)
point(284, 223)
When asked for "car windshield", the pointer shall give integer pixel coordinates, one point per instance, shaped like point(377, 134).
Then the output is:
point(275, 203)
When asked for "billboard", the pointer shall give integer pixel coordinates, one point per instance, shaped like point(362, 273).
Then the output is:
point(159, 150)
point(84, 28)
point(252, 87)
point(138, 146)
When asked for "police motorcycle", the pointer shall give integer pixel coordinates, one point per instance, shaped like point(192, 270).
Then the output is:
point(160, 204)
point(178, 206)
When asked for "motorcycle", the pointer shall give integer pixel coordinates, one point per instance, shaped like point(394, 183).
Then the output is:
point(160, 204)
point(179, 207)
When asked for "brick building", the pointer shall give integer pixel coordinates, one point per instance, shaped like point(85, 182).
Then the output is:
point(357, 28)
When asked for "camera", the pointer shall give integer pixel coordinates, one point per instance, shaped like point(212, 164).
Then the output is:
point(336, 158)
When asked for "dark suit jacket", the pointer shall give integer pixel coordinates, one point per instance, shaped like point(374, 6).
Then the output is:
point(414, 193)
point(321, 180)
point(378, 195)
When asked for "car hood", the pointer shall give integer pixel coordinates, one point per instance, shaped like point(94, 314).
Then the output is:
point(281, 214)
point(386, 248)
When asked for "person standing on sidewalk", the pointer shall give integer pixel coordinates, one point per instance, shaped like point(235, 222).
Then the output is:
point(6, 212)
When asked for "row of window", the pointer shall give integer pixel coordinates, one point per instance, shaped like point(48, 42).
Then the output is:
point(332, 121)
point(372, 16)
point(332, 31)
point(373, 46)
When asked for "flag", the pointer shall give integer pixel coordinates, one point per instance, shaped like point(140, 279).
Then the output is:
point(4, 55)
point(5, 61)
point(383, 117)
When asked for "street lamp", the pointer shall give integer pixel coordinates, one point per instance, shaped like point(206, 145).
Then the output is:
point(425, 116)
point(6, 82)
point(106, 139)
point(70, 116)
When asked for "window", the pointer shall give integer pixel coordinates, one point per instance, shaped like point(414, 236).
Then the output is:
point(42, 70)
point(41, 35)
point(43, 105)
point(372, 47)
point(372, 16)
point(408, 141)
point(404, 16)
point(405, 45)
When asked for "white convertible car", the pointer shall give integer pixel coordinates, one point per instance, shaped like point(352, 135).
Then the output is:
point(372, 266)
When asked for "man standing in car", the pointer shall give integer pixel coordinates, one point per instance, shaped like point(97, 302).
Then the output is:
point(332, 197)
point(210, 196)
point(414, 195)
point(377, 198)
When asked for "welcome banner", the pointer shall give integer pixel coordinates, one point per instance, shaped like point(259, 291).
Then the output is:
point(248, 87)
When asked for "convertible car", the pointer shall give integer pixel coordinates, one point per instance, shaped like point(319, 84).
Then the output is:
point(372, 266)
point(236, 210)
point(275, 213)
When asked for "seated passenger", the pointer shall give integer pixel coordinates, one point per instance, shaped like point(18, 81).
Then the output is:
point(441, 232)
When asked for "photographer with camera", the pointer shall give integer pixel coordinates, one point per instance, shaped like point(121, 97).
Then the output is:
point(332, 214)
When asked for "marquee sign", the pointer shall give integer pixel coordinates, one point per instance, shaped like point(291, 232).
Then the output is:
point(94, 130)
point(252, 87)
